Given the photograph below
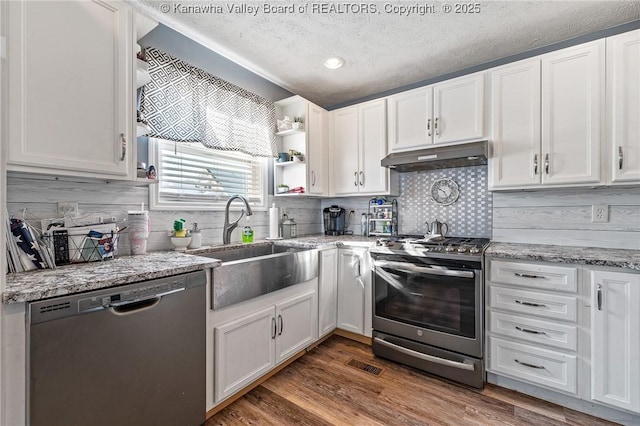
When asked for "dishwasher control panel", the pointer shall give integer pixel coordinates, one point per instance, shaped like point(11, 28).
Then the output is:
point(131, 295)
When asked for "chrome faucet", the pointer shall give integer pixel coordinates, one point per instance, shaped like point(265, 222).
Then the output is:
point(229, 227)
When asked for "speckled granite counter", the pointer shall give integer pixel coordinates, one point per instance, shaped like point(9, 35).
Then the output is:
point(36, 285)
point(618, 258)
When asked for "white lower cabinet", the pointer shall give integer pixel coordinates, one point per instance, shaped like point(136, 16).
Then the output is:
point(568, 328)
point(250, 346)
point(615, 339)
point(532, 323)
point(354, 290)
point(327, 291)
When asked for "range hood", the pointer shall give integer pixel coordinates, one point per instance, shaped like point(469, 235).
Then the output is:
point(438, 157)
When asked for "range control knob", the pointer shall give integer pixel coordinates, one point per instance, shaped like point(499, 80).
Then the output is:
point(474, 250)
point(449, 248)
point(462, 249)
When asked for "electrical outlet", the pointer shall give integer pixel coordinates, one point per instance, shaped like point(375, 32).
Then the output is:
point(600, 213)
point(67, 209)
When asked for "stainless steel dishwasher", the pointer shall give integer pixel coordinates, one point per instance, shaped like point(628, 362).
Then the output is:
point(128, 355)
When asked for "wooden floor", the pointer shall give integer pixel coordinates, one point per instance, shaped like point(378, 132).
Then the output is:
point(321, 389)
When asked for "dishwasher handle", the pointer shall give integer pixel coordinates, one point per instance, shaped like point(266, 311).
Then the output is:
point(144, 299)
point(127, 307)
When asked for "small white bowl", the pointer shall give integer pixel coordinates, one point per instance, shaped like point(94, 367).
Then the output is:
point(180, 243)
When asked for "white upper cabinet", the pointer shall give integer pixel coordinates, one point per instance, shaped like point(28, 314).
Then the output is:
point(547, 119)
point(623, 105)
point(318, 148)
point(458, 109)
point(358, 145)
point(446, 112)
point(515, 116)
point(310, 171)
point(411, 119)
point(70, 103)
point(572, 114)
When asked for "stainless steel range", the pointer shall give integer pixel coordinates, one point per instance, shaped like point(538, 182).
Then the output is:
point(428, 305)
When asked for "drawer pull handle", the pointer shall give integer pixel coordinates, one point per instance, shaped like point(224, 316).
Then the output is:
point(526, 330)
point(526, 364)
point(518, 274)
point(535, 305)
point(620, 158)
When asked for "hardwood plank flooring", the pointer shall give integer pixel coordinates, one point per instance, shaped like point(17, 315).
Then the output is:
point(322, 389)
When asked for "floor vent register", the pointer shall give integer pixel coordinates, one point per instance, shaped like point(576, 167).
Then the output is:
point(376, 371)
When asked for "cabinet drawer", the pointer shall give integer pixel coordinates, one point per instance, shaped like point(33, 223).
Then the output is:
point(534, 303)
point(534, 330)
point(538, 276)
point(542, 366)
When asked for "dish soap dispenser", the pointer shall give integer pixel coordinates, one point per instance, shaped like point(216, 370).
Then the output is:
point(247, 234)
point(196, 237)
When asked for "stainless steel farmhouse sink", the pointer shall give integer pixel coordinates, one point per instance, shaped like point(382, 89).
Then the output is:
point(251, 271)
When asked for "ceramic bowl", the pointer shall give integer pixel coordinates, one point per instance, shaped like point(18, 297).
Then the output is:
point(180, 243)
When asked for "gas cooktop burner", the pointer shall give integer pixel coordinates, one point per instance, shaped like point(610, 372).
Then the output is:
point(419, 246)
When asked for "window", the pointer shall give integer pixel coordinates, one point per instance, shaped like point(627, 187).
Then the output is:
point(192, 177)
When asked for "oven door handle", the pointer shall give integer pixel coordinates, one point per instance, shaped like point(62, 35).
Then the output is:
point(426, 357)
point(409, 267)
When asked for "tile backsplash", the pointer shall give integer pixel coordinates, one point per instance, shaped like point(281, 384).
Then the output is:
point(470, 216)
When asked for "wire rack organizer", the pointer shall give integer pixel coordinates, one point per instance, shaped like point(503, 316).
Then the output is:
point(382, 217)
point(82, 244)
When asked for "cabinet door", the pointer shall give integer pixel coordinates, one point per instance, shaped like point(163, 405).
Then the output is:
point(317, 149)
point(297, 324)
point(70, 87)
point(623, 89)
point(615, 339)
point(372, 177)
point(515, 159)
point(327, 291)
point(244, 350)
point(572, 114)
point(410, 119)
point(351, 291)
point(344, 151)
point(458, 109)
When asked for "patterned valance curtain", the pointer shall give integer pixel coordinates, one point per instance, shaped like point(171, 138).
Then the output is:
point(186, 104)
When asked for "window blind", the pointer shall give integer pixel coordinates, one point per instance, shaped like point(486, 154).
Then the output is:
point(190, 172)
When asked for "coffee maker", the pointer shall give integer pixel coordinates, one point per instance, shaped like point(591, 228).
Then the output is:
point(334, 218)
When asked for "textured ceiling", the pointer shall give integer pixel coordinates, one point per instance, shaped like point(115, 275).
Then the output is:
point(383, 50)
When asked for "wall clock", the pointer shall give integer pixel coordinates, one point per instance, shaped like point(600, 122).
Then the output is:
point(445, 191)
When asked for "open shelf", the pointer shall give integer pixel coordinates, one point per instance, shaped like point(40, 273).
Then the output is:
point(287, 163)
point(289, 132)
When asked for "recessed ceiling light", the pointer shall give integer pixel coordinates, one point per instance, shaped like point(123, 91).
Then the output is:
point(334, 62)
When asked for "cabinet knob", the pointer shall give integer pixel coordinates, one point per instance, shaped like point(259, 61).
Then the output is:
point(355, 179)
point(361, 178)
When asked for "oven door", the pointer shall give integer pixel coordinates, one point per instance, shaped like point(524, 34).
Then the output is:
point(430, 300)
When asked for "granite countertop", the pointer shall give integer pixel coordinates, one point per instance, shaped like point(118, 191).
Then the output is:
point(618, 258)
point(44, 283)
